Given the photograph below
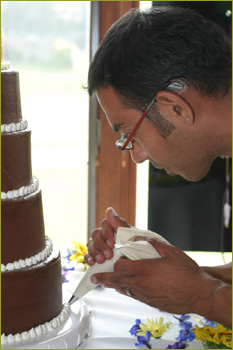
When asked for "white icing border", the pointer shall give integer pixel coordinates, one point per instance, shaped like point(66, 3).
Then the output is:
point(39, 330)
point(20, 126)
point(33, 260)
point(22, 191)
point(5, 65)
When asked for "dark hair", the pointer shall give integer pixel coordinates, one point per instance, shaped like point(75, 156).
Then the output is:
point(145, 51)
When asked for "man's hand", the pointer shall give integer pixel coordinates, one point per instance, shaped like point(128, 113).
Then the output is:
point(172, 283)
point(169, 283)
point(102, 242)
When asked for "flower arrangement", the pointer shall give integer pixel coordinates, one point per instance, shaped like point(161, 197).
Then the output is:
point(153, 329)
point(212, 335)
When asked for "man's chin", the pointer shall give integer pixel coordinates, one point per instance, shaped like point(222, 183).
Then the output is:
point(170, 172)
point(189, 177)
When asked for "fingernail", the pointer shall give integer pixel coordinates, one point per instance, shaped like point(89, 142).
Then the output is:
point(99, 258)
point(110, 244)
point(114, 213)
point(94, 279)
point(107, 254)
point(90, 260)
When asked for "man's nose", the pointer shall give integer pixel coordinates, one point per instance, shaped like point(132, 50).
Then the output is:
point(138, 155)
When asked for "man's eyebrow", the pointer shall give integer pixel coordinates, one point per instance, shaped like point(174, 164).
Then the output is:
point(117, 127)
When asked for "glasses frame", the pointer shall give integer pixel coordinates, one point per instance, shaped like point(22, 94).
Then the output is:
point(128, 144)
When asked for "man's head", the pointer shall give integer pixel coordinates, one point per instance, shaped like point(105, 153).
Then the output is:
point(143, 52)
point(141, 55)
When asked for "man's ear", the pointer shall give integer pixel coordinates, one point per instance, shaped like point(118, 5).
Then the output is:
point(174, 107)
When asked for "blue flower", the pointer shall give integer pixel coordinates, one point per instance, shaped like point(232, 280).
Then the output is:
point(177, 345)
point(186, 334)
point(182, 319)
point(187, 325)
point(144, 340)
point(135, 327)
point(209, 323)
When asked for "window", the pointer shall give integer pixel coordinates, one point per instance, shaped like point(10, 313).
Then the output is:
point(48, 43)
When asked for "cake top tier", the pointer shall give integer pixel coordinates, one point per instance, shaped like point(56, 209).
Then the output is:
point(10, 95)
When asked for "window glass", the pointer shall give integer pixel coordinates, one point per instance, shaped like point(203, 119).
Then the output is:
point(48, 43)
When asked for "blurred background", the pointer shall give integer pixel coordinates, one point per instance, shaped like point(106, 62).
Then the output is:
point(48, 43)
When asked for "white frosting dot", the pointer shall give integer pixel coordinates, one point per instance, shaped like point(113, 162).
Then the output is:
point(28, 261)
point(10, 194)
point(3, 195)
point(10, 267)
point(34, 261)
point(32, 333)
point(17, 265)
point(10, 339)
point(21, 191)
point(16, 193)
point(22, 263)
point(18, 337)
point(54, 323)
point(25, 335)
point(38, 330)
point(3, 339)
point(44, 328)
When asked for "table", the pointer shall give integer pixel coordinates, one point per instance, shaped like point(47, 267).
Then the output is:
point(113, 314)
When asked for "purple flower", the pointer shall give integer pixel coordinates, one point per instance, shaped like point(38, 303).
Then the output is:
point(144, 340)
point(186, 334)
point(64, 279)
point(182, 319)
point(135, 327)
point(65, 269)
point(177, 345)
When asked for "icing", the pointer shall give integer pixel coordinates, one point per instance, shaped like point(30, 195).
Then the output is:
point(20, 264)
point(20, 126)
point(41, 329)
point(22, 191)
point(5, 65)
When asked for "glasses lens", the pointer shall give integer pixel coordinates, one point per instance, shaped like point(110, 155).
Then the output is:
point(120, 143)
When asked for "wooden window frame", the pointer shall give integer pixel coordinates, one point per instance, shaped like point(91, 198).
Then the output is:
point(114, 180)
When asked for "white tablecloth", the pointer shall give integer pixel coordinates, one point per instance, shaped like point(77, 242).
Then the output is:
point(113, 314)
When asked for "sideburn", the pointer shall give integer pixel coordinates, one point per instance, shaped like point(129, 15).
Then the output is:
point(164, 126)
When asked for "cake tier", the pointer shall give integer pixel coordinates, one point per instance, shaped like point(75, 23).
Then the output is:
point(22, 227)
point(31, 296)
point(10, 97)
point(16, 168)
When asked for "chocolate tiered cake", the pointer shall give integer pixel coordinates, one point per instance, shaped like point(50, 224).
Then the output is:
point(31, 287)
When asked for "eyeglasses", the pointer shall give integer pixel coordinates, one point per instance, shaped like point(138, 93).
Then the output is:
point(125, 143)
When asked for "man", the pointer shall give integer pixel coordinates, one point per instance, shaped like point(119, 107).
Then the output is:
point(163, 79)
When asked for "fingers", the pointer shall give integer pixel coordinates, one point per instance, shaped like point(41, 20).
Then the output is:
point(98, 245)
point(102, 242)
point(115, 220)
point(163, 248)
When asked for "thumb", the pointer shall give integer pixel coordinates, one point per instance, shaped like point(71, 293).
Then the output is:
point(115, 220)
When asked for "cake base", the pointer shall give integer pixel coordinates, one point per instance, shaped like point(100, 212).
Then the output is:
point(68, 336)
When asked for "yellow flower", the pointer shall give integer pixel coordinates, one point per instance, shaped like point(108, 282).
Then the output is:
point(78, 252)
point(207, 333)
point(221, 334)
point(157, 328)
point(227, 341)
